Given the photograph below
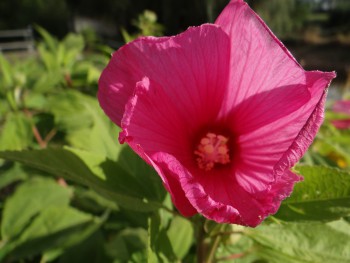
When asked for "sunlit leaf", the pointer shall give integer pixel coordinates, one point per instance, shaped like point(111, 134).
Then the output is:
point(100, 136)
point(49, 40)
point(323, 195)
point(16, 133)
point(307, 243)
point(6, 73)
point(180, 235)
point(69, 111)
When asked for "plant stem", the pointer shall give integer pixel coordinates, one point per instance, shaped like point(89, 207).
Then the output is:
point(200, 241)
point(38, 138)
point(233, 256)
point(214, 245)
point(213, 248)
point(42, 142)
point(227, 233)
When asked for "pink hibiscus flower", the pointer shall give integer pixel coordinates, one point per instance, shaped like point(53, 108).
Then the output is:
point(342, 106)
point(221, 111)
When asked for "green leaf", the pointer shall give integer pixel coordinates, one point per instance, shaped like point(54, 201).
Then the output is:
point(91, 250)
point(48, 81)
point(49, 40)
point(323, 195)
point(101, 136)
point(307, 243)
point(158, 244)
point(180, 235)
point(29, 199)
point(69, 111)
point(89, 200)
point(171, 242)
point(126, 243)
point(48, 59)
point(145, 176)
point(6, 72)
point(11, 175)
point(55, 228)
point(34, 100)
point(104, 176)
point(74, 42)
point(16, 134)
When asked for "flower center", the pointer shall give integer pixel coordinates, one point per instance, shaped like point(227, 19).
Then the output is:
point(212, 149)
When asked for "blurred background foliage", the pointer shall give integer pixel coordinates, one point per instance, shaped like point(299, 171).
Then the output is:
point(310, 28)
point(70, 193)
point(287, 18)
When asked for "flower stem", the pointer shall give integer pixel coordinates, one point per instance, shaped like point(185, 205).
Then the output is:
point(215, 244)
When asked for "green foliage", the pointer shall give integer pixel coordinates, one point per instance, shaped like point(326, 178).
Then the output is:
point(97, 172)
point(146, 24)
point(285, 18)
point(19, 208)
point(324, 195)
point(314, 243)
point(16, 133)
point(169, 241)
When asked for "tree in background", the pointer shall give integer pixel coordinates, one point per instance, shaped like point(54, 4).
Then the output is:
point(53, 15)
point(285, 18)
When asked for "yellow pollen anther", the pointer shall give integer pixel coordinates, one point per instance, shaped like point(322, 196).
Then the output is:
point(208, 149)
point(212, 150)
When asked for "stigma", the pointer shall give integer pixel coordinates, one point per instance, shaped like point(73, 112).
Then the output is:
point(212, 150)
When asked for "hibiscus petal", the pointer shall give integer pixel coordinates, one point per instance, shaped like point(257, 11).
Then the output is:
point(163, 113)
point(259, 61)
point(284, 141)
point(341, 124)
point(266, 107)
point(196, 193)
point(191, 69)
point(270, 200)
point(342, 106)
point(219, 197)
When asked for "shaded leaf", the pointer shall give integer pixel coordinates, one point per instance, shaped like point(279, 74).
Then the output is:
point(20, 209)
point(55, 228)
point(89, 200)
point(126, 243)
point(91, 250)
point(11, 175)
point(102, 175)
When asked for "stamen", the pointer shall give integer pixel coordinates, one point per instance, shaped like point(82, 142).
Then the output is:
point(212, 150)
